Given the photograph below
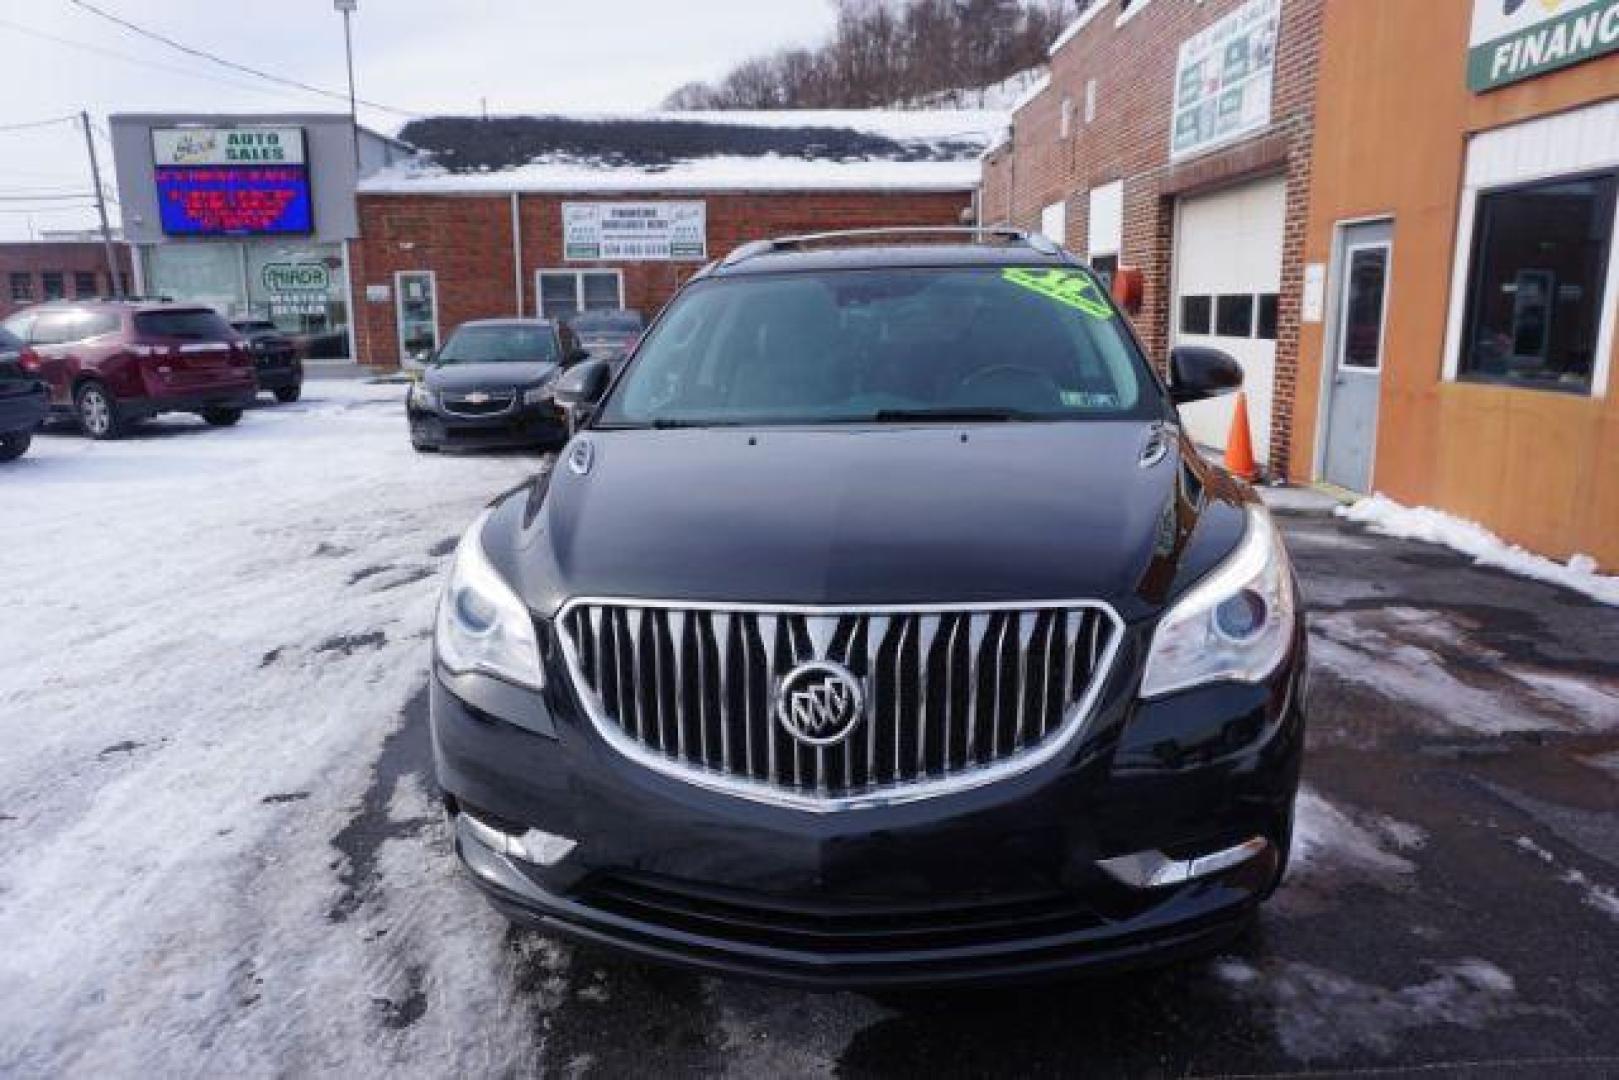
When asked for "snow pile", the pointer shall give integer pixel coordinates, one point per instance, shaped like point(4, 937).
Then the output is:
point(1383, 515)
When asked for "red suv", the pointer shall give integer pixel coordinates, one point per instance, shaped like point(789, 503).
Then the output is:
point(112, 363)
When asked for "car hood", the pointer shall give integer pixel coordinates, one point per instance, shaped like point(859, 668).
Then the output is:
point(503, 375)
point(902, 515)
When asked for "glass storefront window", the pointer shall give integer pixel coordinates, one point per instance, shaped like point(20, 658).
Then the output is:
point(1540, 266)
point(302, 288)
point(566, 292)
point(416, 293)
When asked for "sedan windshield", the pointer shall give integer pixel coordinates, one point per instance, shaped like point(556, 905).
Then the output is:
point(500, 344)
point(887, 346)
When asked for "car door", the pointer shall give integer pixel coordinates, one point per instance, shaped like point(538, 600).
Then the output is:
point(51, 337)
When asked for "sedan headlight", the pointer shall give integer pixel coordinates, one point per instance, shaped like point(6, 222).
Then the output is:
point(537, 395)
point(1234, 625)
point(483, 626)
point(420, 395)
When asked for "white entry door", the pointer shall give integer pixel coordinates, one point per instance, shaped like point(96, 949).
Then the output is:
point(1228, 279)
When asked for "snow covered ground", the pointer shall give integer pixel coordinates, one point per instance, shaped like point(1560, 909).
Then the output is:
point(208, 637)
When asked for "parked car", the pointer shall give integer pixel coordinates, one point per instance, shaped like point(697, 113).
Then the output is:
point(24, 399)
point(880, 625)
point(111, 363)
point(490, 386)
point(608, 335)
point(275, 358)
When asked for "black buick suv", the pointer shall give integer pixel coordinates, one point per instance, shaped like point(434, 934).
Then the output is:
point(878, 626)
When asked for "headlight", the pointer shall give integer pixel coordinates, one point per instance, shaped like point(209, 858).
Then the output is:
point(1235, 625)
point(420, 395)
point(537, 395)
point(483, 626)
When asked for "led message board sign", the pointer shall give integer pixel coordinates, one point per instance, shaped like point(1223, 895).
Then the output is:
point(249, 181)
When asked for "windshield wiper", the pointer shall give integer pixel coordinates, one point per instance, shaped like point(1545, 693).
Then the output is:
point(951, 416)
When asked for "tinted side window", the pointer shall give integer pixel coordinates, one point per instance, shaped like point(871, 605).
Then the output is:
point(55, 328)
point(197, 325)
point(9, 342)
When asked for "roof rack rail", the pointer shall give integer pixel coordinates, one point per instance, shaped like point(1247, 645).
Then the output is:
point(798, 243)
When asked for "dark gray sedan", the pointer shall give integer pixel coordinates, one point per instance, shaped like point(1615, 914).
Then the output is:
point(490, 386)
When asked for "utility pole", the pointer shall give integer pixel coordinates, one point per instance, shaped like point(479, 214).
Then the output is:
point(113, 278)
point(347, 7)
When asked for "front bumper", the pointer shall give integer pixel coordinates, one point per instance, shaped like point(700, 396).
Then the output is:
point(24, 412)
point(541, 425)
point(1005, 882)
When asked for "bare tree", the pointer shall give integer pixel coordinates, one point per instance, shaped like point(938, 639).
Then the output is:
point(894, 53)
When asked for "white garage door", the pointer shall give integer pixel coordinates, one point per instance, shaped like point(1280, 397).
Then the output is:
point(1228, 274)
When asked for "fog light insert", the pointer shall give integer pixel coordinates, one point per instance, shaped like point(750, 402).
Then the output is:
point(534, 846)
point(1155, 870)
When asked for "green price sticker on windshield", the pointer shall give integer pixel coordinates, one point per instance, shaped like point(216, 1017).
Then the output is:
point(1067, 287)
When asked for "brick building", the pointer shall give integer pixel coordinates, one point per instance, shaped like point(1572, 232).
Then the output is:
point(1175, 140)
point(34, 272)
point(551, 215)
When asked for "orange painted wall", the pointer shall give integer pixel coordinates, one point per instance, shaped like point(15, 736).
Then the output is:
point(1393, 116)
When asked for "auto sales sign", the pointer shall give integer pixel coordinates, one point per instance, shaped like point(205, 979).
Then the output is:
point(1513, 40)
point(239, 181)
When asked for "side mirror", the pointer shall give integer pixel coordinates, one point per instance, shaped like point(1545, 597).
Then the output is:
point(1197, 373)
point(583, 386)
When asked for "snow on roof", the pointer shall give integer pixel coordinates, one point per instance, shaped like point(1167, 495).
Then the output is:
point(1073, 28)
point(692, 151)
point(1034, 90)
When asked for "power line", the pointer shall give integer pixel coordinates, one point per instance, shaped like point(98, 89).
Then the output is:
point(28, 124)
point(126, 58)
point(203, 54)
point(48, 198)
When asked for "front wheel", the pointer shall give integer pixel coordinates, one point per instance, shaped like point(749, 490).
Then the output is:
point(221, 417)
point(288, 394)
point(14, 445)
point(98, 412)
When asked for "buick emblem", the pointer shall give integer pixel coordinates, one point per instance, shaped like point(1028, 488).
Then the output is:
point(820, 703)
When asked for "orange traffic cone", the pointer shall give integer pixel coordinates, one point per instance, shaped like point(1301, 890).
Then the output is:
point(1239, 446)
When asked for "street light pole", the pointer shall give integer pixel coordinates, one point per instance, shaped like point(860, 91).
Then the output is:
point(347, 7)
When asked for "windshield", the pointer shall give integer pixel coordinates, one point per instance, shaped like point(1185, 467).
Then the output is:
point(500, 344)
point(887, 346)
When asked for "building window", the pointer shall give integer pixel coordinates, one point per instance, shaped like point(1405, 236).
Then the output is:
point(1106, 267)
point(1269, 310)
point(1197, 314)
point(564, 292)
point(1067, 118)
point(22, 286)
point(416, 308)
point(1540, 268)
point(1090, 101)
point(84, 284)
point(1234, 316)
point(55, 285)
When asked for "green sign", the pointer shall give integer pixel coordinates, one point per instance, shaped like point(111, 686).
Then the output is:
point(301, 277)
point(1513, 40)
point(1067, 287)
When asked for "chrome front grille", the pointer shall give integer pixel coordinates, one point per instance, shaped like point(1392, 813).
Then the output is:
point(951, 696)
point(479, 404)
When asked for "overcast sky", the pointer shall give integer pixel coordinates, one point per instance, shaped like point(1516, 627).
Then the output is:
point(428, 56)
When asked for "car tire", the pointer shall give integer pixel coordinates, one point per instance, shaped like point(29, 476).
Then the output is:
point(288, 394)
point(221, 417)
point(14, 445)
point(97, 412)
